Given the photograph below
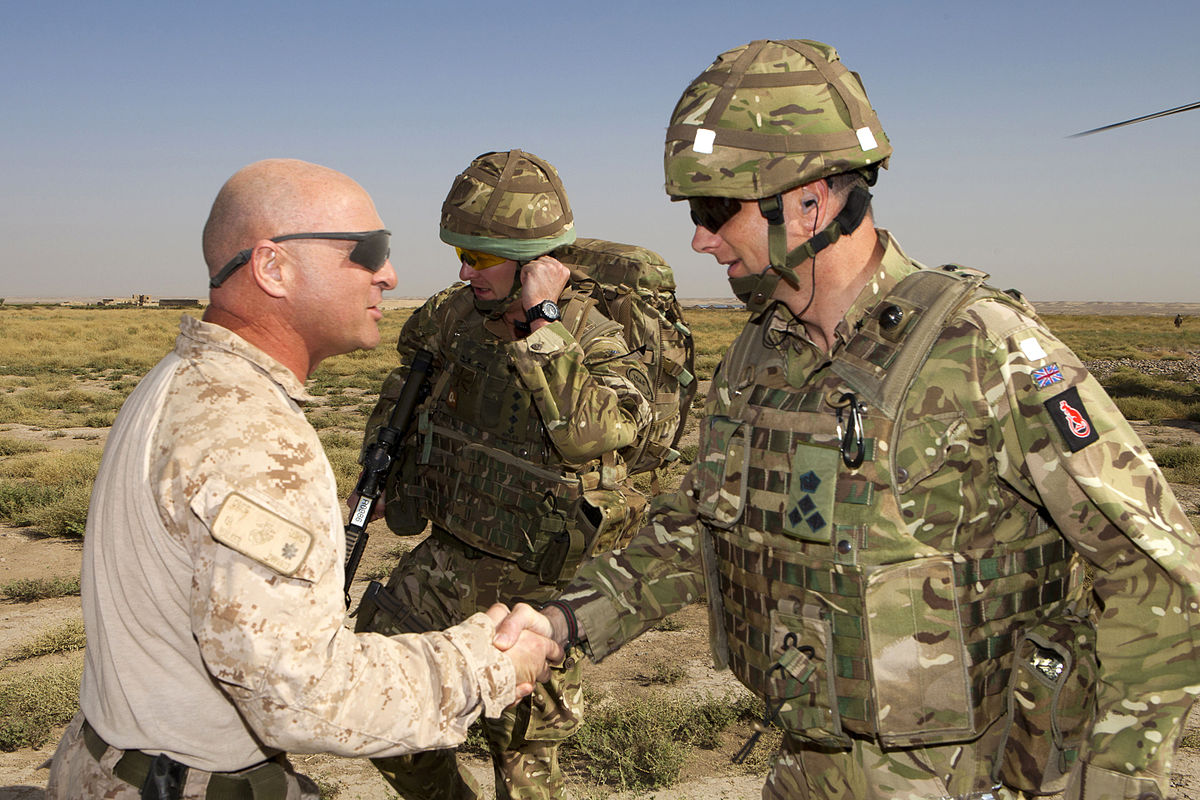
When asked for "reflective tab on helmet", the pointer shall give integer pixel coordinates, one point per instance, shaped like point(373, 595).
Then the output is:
point(866, 139)
point(703, 142)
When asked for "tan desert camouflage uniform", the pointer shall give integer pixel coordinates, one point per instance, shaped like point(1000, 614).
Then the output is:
point(212, 592)
point(883, 610)
point(517, 461)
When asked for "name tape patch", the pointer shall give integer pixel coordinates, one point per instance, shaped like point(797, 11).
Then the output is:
point(1072, 420)
point(261, 534)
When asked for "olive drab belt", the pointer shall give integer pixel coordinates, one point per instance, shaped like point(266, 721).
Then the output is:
point(267, 781)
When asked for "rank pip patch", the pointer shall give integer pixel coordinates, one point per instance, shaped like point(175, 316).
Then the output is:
point(261, 534)
point(1071, 419)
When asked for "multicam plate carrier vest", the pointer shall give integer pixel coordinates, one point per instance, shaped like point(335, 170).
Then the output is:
point(486, 469)
point(829, 607)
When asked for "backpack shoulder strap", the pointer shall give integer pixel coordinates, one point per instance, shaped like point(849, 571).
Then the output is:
point(882, 359)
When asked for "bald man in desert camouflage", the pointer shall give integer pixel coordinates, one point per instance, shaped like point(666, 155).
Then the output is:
point(213, 560)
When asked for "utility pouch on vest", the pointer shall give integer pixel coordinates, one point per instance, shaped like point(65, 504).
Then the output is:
point(599, 526)
point(719, 479)
point(553, 712)
point(918, 661)
point(402, 509)
point(1051, 701)
point(799, 685)
point(556, 557)
point(496, 501)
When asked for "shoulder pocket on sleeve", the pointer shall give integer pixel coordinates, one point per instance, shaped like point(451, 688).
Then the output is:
point(246, 522)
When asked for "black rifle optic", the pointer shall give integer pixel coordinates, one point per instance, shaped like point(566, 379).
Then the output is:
point(377, 462)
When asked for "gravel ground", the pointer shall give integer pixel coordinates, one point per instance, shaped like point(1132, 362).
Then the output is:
point(1177, 368)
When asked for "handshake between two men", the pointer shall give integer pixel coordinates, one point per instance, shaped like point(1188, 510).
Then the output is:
point(527, 638)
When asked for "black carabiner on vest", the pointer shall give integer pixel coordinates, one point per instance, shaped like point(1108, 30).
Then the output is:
point(853, 449)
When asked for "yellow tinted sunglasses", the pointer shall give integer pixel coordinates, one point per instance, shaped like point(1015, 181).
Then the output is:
point(476, 259)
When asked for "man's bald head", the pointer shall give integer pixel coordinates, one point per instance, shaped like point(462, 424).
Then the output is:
point(272, 198)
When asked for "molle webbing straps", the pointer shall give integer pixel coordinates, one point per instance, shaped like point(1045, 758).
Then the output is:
point(834, 74)
point(881, 360)
point(506, 185)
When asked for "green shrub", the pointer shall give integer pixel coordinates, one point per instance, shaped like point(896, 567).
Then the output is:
point(49, 491)
point(33, 705)
point(641, 744)
point(13, 447)
point(1180, 463)
point(1149, 409)
point(344, 461)
point(663, 672)
point(340, 439)
point(27, 590)
point(65, 638)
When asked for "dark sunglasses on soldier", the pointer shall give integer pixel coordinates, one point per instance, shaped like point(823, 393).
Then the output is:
point(713, 212)
point(371, 252)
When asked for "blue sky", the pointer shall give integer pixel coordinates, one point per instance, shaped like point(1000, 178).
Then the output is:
point(120, 120)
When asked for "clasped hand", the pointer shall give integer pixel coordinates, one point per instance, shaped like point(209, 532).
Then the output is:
point(526, 639)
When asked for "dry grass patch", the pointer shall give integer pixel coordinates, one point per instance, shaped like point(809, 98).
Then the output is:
point(49, 491)
point(28, 590)
point(63, 639)
point(1138, 338)
point(33, 704)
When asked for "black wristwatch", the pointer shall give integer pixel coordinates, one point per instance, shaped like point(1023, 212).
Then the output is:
point(547, 310)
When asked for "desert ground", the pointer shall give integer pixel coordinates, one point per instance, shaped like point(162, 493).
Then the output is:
point(707, 774)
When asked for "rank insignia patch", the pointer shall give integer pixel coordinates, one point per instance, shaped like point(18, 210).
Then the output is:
point(1071, 419)
point(1047, 376)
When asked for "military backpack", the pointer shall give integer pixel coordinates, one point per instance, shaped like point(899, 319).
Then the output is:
point(635, 288)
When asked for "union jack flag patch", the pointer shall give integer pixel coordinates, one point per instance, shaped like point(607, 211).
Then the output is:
point(1047, 376)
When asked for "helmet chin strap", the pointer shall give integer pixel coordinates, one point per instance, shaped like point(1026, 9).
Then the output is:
point(494, 309)
point(756, 290)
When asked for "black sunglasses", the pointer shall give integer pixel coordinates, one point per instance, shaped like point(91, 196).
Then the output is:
point(371, 252)
point(713, 212)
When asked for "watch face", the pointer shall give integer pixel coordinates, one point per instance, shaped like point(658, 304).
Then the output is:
point(546, 310)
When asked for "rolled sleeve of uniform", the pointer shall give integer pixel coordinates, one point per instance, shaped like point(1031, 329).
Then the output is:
point(1063, 441)
point(591, 402)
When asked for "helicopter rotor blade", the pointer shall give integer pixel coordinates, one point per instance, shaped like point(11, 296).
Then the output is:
point(1168, 112)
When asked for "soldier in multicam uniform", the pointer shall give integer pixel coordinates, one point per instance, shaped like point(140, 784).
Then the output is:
point(517, 459)
point(902, 481)
point(212, 567)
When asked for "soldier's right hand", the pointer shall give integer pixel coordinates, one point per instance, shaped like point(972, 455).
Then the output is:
point(533, 652)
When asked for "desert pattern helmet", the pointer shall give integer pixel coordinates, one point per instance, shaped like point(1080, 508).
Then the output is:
point(769, 116)
point(509, 204)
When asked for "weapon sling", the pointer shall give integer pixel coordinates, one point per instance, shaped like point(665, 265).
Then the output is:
point(377, 462)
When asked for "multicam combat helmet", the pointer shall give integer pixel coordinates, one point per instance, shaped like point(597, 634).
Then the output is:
point(765, 118)
point(509, 204)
